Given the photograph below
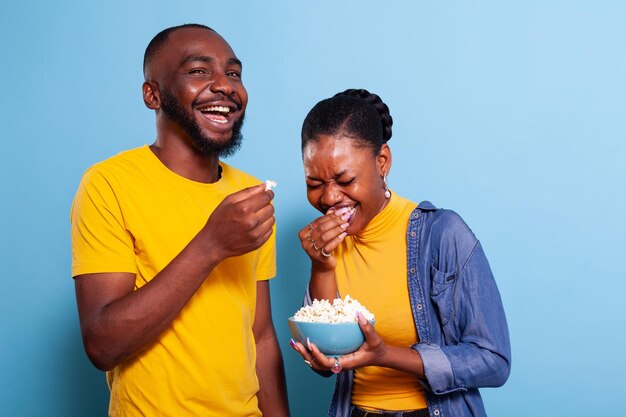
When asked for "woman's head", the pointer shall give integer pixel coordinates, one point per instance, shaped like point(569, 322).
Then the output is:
point(354, 113)
point(346, 156)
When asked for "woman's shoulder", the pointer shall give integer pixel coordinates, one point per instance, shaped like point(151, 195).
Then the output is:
point(446, 225)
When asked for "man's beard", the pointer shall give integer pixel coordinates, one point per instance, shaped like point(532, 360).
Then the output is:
point(205, 145)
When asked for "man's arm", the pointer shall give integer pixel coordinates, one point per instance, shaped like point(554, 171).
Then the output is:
point(117, 322)
point(272, 394)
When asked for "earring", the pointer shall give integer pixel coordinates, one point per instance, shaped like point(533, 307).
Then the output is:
point(387, 192)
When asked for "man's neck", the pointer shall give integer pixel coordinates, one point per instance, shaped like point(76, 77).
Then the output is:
point(186, 162)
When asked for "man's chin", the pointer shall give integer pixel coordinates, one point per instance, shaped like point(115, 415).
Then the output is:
point(232, 146)
point(208, 146)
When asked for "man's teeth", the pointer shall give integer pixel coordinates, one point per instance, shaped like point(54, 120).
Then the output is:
point(219, 109)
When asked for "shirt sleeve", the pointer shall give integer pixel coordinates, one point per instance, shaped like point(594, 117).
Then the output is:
point(100, 241)
point(266, 266)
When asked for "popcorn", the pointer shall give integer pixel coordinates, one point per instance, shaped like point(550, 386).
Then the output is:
point(269, 184)
point(340, 311)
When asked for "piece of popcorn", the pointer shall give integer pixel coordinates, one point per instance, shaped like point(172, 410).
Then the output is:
point(340, 311)
point(269, 184)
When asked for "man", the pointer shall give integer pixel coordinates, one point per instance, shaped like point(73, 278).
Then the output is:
point(172, 249)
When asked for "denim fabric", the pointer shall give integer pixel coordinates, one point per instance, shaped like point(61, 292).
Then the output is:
point(464, 339)
point(354, 411)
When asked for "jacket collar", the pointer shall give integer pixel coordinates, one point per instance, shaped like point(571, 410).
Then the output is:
point(426, 206)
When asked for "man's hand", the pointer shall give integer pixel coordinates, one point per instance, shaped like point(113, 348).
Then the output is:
point(241, 223)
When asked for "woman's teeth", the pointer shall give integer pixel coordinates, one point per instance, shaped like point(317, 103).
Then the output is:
point(346, 213)
point(351, 212)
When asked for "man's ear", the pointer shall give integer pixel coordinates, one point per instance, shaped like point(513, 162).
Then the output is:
point(151, 94)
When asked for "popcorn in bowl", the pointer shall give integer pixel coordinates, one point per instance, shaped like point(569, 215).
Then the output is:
point(332, 327)
point(339, 311)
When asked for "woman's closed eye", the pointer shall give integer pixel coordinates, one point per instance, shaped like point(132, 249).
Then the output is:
point(345, 183)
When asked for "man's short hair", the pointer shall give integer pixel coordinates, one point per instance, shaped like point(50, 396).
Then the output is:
point(159, 40)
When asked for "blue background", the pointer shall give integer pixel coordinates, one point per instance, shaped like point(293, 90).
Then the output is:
point(511, 114)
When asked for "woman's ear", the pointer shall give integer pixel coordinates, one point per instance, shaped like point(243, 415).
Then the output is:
point(383, 160)
point(151, 94)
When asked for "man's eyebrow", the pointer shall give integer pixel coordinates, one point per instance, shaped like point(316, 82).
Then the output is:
point(235, 61)
point(194, 58)
point(207, 59)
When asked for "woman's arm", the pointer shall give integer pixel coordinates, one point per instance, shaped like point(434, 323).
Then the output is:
point(373, 352)
point(477, 352)
point(319, 239)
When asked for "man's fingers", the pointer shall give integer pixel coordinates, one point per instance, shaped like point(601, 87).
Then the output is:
point(248, 193)
point(268, 227)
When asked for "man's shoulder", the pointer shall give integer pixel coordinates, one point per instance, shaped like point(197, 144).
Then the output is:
point(237, 175)
point(122, 162)
point(123, 158)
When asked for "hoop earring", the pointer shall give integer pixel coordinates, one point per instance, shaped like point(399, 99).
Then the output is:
point(387, 192)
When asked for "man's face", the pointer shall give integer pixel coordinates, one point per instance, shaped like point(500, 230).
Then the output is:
point(203, 141)
point(202, 94)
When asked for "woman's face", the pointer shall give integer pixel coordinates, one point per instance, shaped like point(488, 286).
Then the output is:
point(341, 172)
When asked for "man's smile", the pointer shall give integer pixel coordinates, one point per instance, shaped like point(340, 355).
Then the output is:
point(217, 114)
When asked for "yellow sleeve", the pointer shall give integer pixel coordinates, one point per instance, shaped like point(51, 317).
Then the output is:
point(100, 241)
point(266, 265)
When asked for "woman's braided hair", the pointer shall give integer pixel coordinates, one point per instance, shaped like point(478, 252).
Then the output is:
point(354, 113)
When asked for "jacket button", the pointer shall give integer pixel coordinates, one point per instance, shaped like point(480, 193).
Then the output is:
point(436, 412)
point(418, 306)
point(413, 234)
point(412, 270)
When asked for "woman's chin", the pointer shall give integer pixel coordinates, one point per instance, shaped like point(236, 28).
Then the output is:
point(353, 229)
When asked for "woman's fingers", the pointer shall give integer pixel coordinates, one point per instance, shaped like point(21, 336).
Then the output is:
point(324, 234)
point(311, 355)
point(319, 360)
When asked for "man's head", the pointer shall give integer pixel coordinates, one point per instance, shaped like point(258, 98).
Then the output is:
point(193, 82)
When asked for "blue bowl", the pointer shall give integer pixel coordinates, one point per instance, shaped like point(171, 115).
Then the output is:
point(330, 338)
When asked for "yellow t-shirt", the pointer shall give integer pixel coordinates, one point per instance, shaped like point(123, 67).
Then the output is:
point(371, 267)
point(132, 214)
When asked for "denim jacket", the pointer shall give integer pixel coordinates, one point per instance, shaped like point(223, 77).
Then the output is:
point(464, 339)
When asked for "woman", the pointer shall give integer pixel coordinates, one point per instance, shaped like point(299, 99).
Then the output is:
point(440, 331)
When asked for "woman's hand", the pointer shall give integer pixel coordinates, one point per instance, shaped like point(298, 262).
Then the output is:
point(370, 352)
point(322, 236)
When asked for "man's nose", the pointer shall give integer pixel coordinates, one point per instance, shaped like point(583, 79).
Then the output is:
point(222, 84)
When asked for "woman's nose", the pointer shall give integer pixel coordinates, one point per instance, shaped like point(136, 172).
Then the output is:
point(330, 196)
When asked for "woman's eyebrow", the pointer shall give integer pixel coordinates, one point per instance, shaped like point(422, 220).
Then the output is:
point(335, 176)
point(341, 173)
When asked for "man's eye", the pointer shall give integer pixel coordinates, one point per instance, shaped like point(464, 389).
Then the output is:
point(234, 74)
point(197, 71)
point(313, 186)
